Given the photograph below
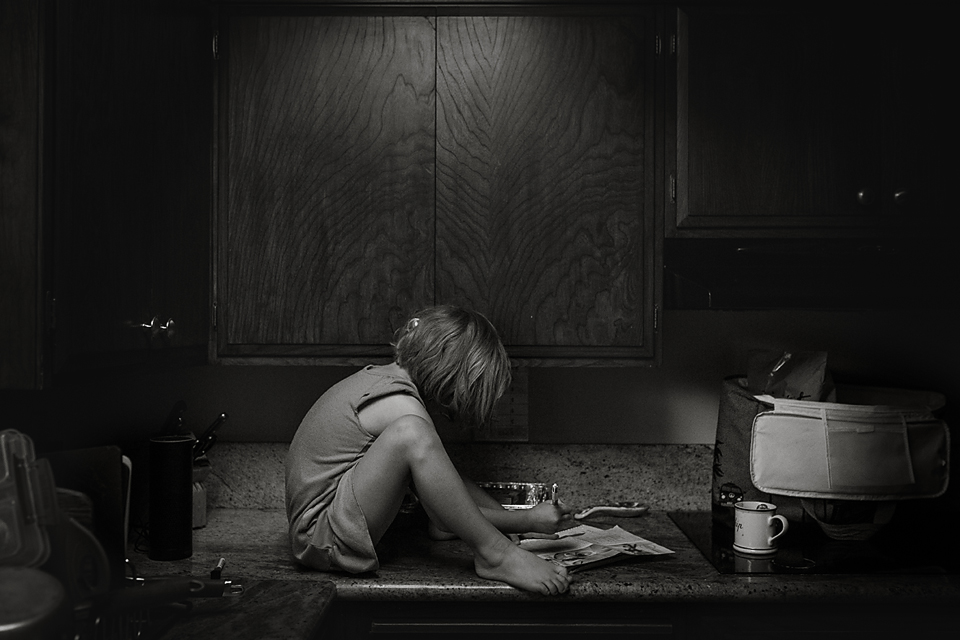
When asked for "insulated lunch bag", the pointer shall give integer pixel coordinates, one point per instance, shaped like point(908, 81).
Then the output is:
point(873, 452)
point(863, 453)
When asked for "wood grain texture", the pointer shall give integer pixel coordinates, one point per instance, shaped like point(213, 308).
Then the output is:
point(540, 176)
point(326, 219)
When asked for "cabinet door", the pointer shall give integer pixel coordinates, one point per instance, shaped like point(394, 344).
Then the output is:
point(132, 173)
point(543, 148)
point(325, 228)
point(780, 119)
point(21, 106)
point(918, 170)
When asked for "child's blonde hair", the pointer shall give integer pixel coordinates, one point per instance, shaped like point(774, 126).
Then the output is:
point(456, 359)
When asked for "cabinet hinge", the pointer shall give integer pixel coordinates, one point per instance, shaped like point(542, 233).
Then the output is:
point(216, 45)
point(50, 312)
point(658, 45)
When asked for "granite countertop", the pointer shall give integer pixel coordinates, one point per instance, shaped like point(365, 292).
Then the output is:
point(255, 547)
point(246, 525)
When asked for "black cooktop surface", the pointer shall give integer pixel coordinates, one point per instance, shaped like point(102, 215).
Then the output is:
point(910, 544)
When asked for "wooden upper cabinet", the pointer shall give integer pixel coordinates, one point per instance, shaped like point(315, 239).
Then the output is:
point(22, 125)
point(798, 120)
point(918, 156)
point(131, 168)
point(542, 154)
point(374, 164)
point(326, 184)
point(105, 139)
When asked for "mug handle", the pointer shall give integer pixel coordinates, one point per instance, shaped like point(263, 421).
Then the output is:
point(783, 527)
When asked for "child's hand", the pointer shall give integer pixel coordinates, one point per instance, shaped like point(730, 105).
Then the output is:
point(549, 518)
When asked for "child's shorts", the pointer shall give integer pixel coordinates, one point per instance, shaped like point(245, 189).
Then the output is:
point(340, 538)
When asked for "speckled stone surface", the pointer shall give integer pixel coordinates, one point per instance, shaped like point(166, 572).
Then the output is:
point(246, 475)
point(254, 544)
point(246, 525)
point(665, 477)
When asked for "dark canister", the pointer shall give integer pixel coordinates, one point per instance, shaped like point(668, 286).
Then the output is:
point(171, 497)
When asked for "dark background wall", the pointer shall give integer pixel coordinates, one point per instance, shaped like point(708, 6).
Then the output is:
point(673, 403)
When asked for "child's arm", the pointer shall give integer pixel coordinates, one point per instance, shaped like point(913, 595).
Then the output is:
point(543, 518)
point(483, 499)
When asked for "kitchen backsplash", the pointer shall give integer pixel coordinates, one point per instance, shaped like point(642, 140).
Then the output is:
point(665, 477)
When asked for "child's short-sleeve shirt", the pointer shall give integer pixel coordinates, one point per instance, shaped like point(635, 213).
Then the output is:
point(327, 527)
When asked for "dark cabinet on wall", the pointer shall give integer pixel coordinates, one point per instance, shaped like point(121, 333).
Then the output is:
point(810, 161)
point(808, 121)
point(105, 132)
point(23, 130)
point(370, 164)
point(335, 166)
point(132, 182)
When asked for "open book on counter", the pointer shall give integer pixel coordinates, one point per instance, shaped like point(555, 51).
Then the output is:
point(584, 546)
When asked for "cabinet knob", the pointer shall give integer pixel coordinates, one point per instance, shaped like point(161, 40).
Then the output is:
point(901, 197)
point(865, 197)
point(155, 328)
point(150, 328)
point(168, 328)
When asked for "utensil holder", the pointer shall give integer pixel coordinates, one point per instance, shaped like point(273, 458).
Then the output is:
point(171, 497)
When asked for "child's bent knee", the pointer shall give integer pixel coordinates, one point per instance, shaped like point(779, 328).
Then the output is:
point(411, 432)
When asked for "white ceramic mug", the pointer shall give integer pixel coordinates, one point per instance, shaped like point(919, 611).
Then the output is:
point(752, 562)
point(754, 526)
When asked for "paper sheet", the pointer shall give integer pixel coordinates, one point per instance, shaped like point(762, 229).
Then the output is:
point(584, 545)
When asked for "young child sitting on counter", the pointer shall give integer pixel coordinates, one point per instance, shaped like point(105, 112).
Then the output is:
point(370, 437)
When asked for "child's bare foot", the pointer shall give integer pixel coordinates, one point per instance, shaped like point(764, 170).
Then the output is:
point(522, 569)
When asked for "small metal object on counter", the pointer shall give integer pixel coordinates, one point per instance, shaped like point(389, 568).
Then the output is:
point(208, 438)
point(232, 589)
point(218, 569)
point(618, 509)
point(145, 605)
point(201, 469)
point(151, 592)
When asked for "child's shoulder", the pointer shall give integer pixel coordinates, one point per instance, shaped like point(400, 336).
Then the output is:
point(390, 378)
point(391, 371)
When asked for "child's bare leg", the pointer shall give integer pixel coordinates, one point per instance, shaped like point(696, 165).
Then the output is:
point(439, 531)
point(436, 530)
point(410, 448)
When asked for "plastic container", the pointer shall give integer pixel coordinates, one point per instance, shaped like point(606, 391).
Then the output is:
point(27, 502)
